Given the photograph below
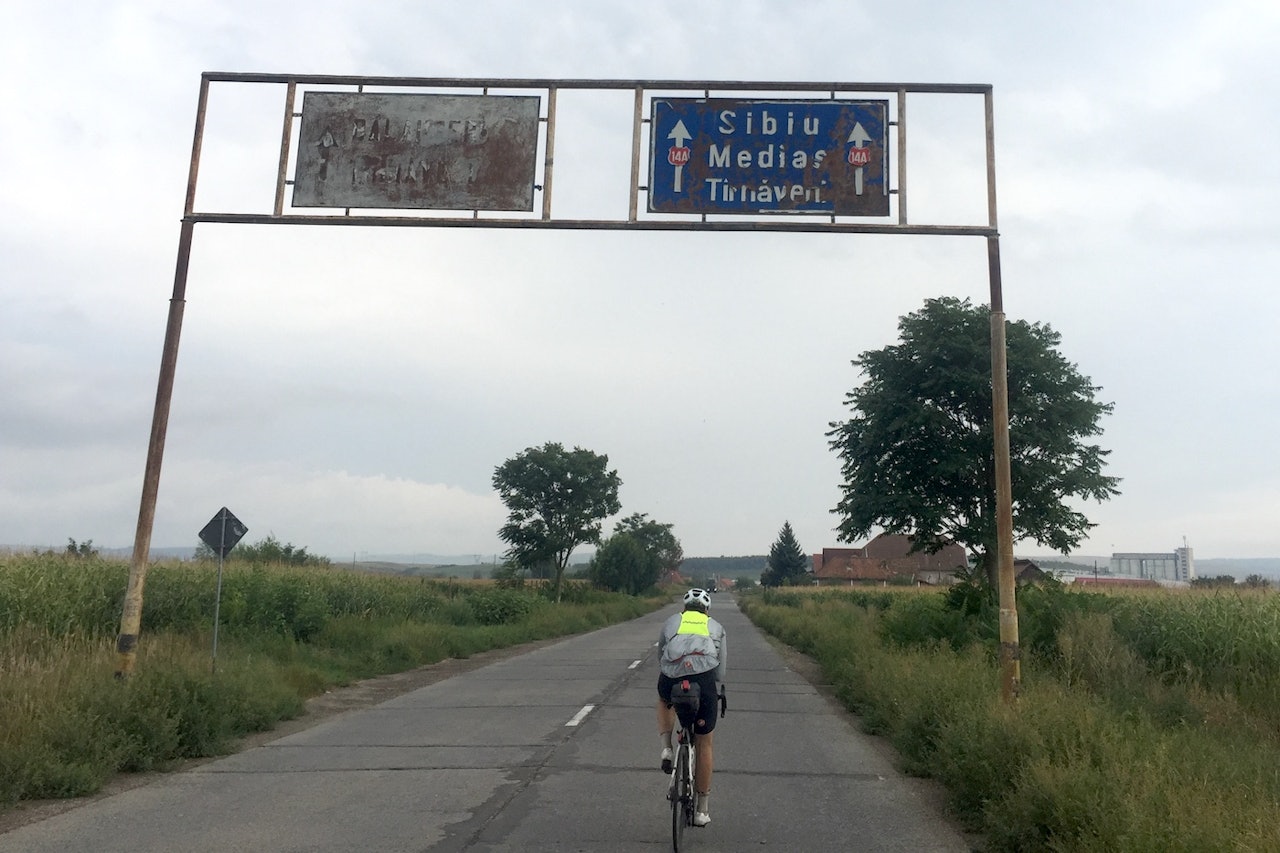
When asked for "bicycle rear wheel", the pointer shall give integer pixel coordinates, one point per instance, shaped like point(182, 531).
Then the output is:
point(681, 792)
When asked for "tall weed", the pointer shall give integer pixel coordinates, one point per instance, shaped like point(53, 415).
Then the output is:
point(1109, 748)
point(67, 725)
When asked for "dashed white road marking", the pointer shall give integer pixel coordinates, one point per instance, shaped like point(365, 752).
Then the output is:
point(581, 715)
point(634, 664)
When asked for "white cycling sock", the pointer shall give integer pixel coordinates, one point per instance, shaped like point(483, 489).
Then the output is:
point(666, 739)
point(704, 803)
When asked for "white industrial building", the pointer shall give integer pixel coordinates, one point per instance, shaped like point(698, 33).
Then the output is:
point(1178, 565)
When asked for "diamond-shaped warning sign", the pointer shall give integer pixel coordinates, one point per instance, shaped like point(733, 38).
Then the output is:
point(222, 532)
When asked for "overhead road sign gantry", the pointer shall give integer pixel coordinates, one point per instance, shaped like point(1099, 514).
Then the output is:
point(485, 147)
point(495, 183)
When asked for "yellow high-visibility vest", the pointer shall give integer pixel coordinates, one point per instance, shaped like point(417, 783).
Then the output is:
point(693, 622)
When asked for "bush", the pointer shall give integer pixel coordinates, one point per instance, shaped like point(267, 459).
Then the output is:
point(500, 606)
point(925, 621)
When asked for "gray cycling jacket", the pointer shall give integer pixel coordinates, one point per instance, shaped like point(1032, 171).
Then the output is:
point(692, 654)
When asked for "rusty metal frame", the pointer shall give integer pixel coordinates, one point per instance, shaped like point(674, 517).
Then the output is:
point(800, 223)
point(549, 155)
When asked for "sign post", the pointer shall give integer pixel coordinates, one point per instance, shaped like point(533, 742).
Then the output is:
point(221, 534)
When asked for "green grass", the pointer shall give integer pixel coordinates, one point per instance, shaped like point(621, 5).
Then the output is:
point(1109, 748)
point(285, 634)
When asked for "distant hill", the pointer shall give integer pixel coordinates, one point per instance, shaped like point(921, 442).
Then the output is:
point(421, 559)
point(473, 570)
point(1268, 567)
point(1074, 565)
point(111, 553)
point(729, 567)
point(466, 565)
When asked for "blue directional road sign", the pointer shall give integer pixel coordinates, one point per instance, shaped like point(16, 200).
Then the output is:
point(714, 155)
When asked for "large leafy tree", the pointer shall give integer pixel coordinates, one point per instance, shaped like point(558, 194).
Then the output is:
point(623, 564)
point(787, 564)
point(556, 500)
point(917, 452)
point(635, 556)
point(656, 538)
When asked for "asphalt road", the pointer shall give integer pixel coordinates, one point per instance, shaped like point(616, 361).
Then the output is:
point(555, 749)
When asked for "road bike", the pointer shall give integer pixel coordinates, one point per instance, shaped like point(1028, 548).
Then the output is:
point(681, 791)
point(685, 697)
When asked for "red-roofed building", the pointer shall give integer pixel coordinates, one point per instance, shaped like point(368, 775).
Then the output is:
point(887, 558)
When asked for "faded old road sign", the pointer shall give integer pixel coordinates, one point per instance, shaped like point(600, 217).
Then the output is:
point(778, 156)
point(439, 152)
point(222, 532)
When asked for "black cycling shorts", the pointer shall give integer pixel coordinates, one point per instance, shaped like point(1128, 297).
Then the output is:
point(708, 703)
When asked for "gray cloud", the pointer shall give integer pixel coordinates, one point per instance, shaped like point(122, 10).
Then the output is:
point(353, 389)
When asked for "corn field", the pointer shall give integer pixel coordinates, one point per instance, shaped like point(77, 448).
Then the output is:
point(66, 725)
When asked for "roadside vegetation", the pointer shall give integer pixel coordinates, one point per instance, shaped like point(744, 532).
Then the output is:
point(1147, 721)
point(286, 632)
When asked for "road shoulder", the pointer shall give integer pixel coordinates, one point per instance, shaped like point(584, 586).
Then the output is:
point(318, 709)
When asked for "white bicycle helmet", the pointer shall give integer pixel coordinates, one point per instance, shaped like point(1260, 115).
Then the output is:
point(698, 598)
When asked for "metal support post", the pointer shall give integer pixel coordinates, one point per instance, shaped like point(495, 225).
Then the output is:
point(131, 615)
point(1010, 654)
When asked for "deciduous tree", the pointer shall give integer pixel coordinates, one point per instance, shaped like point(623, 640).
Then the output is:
point(623, 564)
point(635, 556)
point(917, 451)
point(656, 538)
point(557, 500)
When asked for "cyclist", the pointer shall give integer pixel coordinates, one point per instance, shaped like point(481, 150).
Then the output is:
point(692, 646)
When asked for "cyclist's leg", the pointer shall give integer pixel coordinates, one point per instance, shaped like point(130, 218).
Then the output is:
point(704, 728)
point(702, 779)
point(702, 770)
point(666, 721)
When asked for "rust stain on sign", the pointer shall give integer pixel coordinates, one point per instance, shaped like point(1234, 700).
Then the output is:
point(429, 152)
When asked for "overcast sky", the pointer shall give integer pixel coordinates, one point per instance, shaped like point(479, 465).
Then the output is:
point(352, 389)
